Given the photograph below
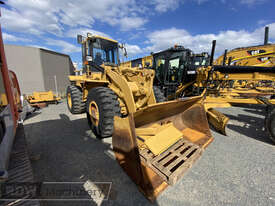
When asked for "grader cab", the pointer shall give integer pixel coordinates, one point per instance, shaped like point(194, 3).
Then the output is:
point(175, 68)
point(154, 141)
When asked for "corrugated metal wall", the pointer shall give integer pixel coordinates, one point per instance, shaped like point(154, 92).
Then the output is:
point(36, 68)
point(25, 62)
point(58, 65)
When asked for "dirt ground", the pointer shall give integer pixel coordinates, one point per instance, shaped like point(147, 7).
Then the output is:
point(237, 169)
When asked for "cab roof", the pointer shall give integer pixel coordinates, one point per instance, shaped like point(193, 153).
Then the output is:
point(102, 37)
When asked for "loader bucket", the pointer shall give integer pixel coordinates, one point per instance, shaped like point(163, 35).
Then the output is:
point(157, 144)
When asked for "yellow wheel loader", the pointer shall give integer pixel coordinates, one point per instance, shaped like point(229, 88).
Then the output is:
point(106, 89)
point(154, 141)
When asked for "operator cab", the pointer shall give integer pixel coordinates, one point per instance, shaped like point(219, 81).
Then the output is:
point(98, 51)
point(103, 50)
point(176, 66)
point(170, 66)
point(200, 59)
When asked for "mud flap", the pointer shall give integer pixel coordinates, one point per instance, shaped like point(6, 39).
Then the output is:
point(153, 173)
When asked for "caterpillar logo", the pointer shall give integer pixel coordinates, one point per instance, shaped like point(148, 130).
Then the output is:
point(264, 59)
point(255, 52)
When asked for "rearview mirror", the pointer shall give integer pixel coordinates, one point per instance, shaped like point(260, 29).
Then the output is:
point(125, 52)
point(79, 39)
point(122, 46)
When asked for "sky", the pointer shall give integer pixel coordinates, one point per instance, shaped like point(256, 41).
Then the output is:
point(143, 26)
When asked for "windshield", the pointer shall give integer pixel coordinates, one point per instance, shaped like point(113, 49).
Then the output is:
point(104, 51)
point(169, 66)
point(159, 67)
point(200, 61)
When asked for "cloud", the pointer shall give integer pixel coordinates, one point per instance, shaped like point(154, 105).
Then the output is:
point(133, 50)
point(129, 23)
point(50, 16)
point(163, 39)
point(201, 1)
point(83, 31)
point(10, 21)
point(171, 5)
point(40, 46)
point(63, 45)
point(31, 16)
point(11, 38)
point(262, 22)
point(252, 2)
point(165, 5)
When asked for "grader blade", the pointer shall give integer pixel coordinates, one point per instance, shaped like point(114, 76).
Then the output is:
point(156, 145)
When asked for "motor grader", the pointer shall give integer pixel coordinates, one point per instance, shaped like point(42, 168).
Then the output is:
point(155, 142)
point(225, 86)
point(261, 55)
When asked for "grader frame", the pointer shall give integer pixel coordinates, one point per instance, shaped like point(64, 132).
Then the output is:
point(226, 86)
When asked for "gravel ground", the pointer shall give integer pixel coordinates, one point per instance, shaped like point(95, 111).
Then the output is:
point(237, 169)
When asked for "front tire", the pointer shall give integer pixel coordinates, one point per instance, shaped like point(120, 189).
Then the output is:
point(75, 103)
point(101, 107)
point(270, 123)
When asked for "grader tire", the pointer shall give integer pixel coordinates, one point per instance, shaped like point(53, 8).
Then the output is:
point(74, 100)
point(159, 95)
point(101, 107)
point(270, 123)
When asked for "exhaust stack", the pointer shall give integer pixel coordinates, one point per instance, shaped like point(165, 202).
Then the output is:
point(266, 33)
point(212, 52)
point(224, 57)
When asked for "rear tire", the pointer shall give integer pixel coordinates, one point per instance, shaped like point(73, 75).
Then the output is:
point(270, 123)
point(101, 107)
point(159, 95)
point(75, 103)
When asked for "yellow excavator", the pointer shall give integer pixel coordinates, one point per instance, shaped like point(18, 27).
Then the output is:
point(261, 55)
point(154, 141)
